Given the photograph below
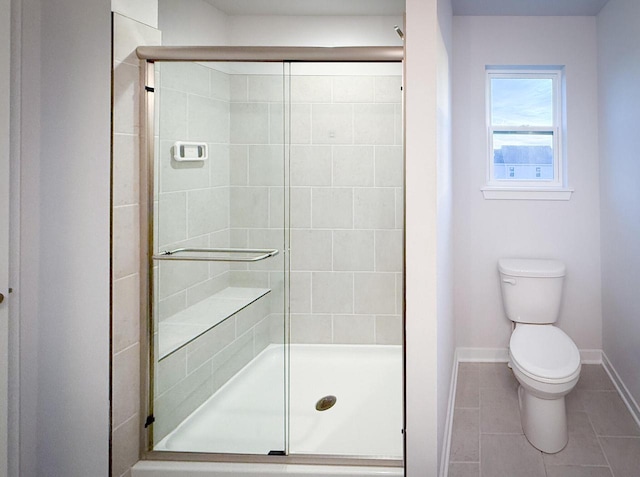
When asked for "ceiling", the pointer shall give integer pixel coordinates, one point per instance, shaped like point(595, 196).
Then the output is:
point(310, 7)
point(528, 7)
point(397, 7)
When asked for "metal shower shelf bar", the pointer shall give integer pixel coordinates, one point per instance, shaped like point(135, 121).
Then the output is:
point(176, 254)
point(270, 53)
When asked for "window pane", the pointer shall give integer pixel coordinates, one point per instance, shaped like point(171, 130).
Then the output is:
point(521, 102)
point(523, 156)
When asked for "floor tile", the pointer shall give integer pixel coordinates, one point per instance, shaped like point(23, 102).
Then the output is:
point(467, 394)
point(593, 377)
point(465, 440)
point(573, 401)
point(578, 423)
point(608, 414)
point(623, 454)
point(499, 412)
point(464, 470)
point(509, 456)
point(580, 450)
point(496, 375)
point(468, 370)
point(604, 440)
point(577, 471)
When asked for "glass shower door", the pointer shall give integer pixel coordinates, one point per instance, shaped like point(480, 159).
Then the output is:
point(219, 260)
point(346, 161)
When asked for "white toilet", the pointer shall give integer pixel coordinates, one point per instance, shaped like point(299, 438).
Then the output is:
point(544, 359)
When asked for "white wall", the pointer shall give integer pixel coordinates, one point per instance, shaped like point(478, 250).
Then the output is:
point(486, 230)
point(446, 331)
point(5, 74)
point(314, 31)
point(73, 361)
point(64, 276)
point(619, 70)
point(426, 262)
point(14, 423)
point(195, 22)
point(199, 23)
point(28, 119)
point(144, 11)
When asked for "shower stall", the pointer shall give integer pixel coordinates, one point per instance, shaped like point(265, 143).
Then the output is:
point(273, 189)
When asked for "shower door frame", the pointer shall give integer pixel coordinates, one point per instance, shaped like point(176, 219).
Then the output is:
point(148, 55)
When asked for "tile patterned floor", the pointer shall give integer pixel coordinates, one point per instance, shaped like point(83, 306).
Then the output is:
point(487, 438)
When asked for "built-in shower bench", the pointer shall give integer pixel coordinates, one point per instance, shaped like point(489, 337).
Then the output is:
point(186, 325)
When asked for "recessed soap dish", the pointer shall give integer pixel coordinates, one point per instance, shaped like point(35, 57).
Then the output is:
point(190, 151)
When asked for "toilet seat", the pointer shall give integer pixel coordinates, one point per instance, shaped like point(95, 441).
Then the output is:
point(544, 353)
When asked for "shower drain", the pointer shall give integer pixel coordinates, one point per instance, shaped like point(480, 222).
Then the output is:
point(325, 403)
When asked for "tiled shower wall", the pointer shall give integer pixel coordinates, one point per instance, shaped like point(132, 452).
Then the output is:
point(193, 209)
point(125, 344)
point(257, 177)
point(346, 201)
point(346, 198)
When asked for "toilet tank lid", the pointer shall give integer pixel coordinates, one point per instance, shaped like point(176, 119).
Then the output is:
point(529, 267)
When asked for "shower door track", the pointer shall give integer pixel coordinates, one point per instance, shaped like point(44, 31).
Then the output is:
point(352, 54)
point(148, 55)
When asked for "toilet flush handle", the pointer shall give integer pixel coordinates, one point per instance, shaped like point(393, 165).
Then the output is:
point(510, 281)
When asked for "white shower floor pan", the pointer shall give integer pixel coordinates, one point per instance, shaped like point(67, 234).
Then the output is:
point(246, 416)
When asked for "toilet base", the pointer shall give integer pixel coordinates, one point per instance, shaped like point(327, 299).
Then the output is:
point(544, 421)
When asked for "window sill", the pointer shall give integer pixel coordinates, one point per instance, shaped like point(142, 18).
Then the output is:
point(524, 193)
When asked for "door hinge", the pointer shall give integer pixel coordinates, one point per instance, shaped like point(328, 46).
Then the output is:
point(150, 420)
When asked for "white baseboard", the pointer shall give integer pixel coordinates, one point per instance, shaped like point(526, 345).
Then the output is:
point(591, 356)
point(626, 396)
point(501, 355)
point(448, 428)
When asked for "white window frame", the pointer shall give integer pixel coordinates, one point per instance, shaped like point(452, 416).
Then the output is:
point(555, 189)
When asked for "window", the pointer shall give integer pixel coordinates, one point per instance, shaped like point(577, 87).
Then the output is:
point(524, 113)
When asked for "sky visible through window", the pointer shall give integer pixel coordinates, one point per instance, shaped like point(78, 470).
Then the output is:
point(522, 102)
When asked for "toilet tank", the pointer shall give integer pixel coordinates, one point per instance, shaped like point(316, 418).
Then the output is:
point(531, 289)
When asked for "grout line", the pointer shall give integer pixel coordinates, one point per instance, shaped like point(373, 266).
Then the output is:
point(479, 441)
point(353, 124)
point(580, 465)
point(115, 429)
point(123, 350)
point(375, 329)
point(600, 445)
point(124, 277)
point(353, 293)
point(501, 433)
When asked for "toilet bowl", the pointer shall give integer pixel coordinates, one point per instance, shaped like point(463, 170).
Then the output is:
point(544, 359)
point(546, 363)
